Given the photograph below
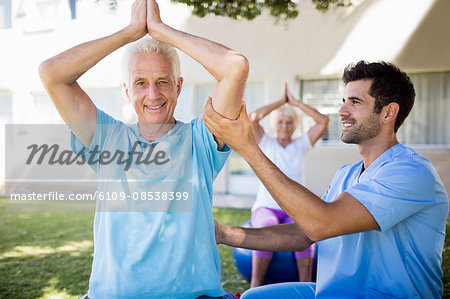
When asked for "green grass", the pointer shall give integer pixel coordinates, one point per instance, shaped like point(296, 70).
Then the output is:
point(232, 280)
point(49, 255)
point(446, 262)
point(45, 255)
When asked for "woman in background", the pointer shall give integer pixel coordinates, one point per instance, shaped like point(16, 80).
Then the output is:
point(287, 154)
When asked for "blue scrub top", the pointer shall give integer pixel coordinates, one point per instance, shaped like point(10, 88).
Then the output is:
point(402, 259)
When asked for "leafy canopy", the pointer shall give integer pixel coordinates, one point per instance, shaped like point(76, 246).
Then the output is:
point(250, 9)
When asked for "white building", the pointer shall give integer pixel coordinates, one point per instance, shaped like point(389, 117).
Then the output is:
point(309, 53)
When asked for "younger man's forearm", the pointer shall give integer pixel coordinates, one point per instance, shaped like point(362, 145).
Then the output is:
point(283, 237)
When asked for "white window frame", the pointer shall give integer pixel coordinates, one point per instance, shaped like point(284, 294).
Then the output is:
point(426, 117)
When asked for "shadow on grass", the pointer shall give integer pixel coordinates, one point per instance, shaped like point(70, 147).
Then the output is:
point(43, 229)
point(50, 254)
point(57, 274)
point(44, 254)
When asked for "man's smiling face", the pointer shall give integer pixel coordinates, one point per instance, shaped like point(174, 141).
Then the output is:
point(153, 91)
point(359, 122)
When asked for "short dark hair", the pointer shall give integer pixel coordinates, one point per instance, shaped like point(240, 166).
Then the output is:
point(389, 85)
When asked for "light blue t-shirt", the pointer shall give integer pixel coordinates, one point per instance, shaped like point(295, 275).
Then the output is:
point(405, 195)
point(148, 254)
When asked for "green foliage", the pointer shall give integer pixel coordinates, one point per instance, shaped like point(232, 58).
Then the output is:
point(323, 5)
point(242, 9)
point(248, 9)
point(111, 3)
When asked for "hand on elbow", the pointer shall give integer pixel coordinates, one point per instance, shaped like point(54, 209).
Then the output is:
point(239, 67)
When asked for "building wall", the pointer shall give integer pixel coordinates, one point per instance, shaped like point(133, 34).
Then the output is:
point(411, 34)
point(318, 45)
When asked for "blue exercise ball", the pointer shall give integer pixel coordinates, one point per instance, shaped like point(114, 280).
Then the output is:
point(282, 268)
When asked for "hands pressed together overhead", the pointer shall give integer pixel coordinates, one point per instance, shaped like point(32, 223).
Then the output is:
point(238, 134)
point(289, 98)
point(145, 18)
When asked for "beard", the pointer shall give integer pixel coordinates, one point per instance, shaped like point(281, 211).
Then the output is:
point(360, 132)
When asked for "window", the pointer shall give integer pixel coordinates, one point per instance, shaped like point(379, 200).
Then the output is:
point(45, 111)
point(184, 111)
point(192, 100)
point(5, 117)
point(428, 122)
point(5, 108)
point(254, 96)
point(242, 179)
point(110, 100)
point(5, 14)
point(201, 94)
point(42, 15)
point(73, 9)
point(194, 95)
point(191, 103)
point(325, 95)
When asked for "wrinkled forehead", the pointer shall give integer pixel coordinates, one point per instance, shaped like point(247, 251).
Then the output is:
point(150, 64)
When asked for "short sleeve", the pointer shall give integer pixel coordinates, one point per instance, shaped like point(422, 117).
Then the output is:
point(101, 129)
point(265, 141)
point(397, 191)
point(206, 146)
point(303, 143)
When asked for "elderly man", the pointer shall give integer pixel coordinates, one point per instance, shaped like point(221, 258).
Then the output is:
point(150, 254)
point(380, 226)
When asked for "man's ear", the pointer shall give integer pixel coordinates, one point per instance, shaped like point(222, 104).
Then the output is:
point(179, 85)
point(390, 112)
point(126, 90)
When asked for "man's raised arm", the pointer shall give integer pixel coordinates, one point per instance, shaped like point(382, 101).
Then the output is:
point(228, 67)
point(319, 220)
point(60, 73)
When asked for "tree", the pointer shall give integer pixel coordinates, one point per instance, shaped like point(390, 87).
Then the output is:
point(250, 9)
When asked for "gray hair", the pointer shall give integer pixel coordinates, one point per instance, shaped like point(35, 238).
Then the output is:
point(285, 110)
point(150, 45)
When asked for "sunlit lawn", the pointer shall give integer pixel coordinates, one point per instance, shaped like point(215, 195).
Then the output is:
point(49, 255)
